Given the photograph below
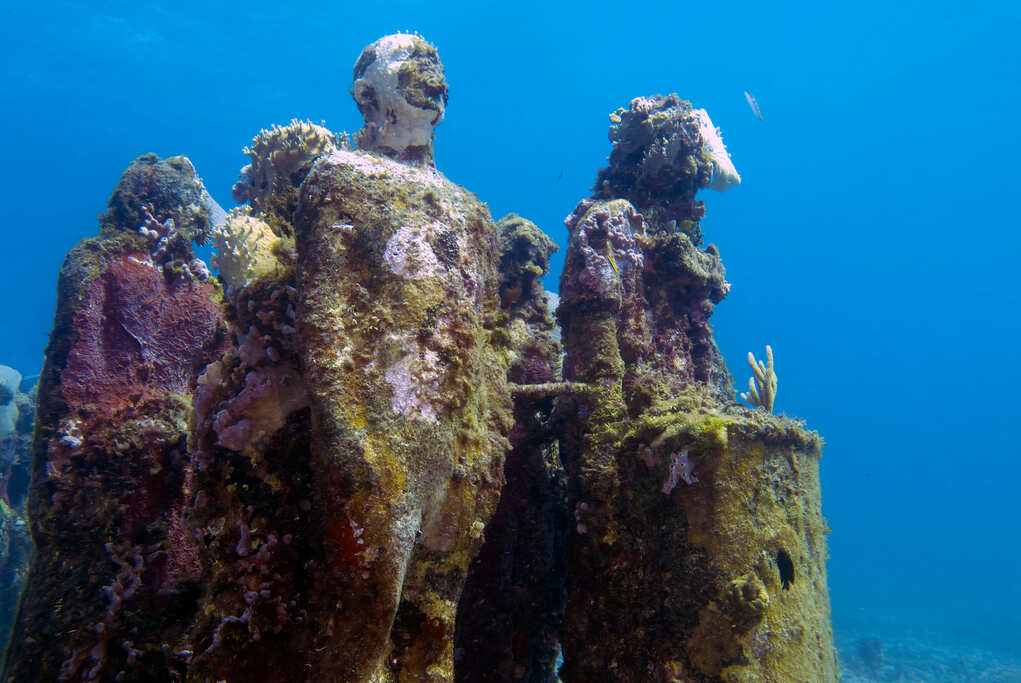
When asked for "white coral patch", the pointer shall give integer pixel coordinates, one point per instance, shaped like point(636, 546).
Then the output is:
point(411, 380)
point(409, 254)
point(724, 173)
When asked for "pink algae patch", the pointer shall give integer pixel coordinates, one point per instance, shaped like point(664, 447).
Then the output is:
point(134, 334)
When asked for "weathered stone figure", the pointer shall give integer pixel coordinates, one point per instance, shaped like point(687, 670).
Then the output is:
point(698, 546)
point(398, 274)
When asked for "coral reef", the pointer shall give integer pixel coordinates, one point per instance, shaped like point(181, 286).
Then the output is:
point(373, 455)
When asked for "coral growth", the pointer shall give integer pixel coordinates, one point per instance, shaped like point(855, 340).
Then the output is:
point(373, 456)
point(137, 332)
point(170, 184)
point(280, 158)
point(762, 386)
point(245, 250)
point(658, 162)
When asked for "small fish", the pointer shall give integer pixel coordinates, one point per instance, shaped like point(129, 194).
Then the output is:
point(560, 176)
point(613, 265)
point(753, 103)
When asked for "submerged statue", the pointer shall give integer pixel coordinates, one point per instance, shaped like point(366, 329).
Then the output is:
point(360, 453)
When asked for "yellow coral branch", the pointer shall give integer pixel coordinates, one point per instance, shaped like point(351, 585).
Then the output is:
point(761, 387)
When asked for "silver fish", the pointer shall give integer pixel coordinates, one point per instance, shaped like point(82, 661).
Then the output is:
point(753, 103)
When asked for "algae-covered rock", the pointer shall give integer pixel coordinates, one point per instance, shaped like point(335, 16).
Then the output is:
point(172, 188)
point(716, 574)
point(660, 159)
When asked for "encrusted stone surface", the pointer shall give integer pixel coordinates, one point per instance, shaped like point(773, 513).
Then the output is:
point(370, 459)
point(697, 550)
point(110, 449)
point(410, 409)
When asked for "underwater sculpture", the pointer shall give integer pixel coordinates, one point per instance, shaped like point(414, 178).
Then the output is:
point(360, 459)
point(137, 320)
point(17, 413)
point(698, 545)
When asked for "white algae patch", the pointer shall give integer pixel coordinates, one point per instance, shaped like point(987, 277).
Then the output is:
point(411, 379)
point(409, 254)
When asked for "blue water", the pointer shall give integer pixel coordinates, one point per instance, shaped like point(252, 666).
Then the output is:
point(873, 243)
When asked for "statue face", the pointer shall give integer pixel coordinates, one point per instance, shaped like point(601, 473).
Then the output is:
point(402, 93)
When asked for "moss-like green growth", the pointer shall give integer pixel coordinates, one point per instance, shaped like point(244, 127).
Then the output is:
point(685, 512)
point(420, 79)
point(524, 257)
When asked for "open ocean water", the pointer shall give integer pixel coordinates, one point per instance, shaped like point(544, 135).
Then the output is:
point(874, 240)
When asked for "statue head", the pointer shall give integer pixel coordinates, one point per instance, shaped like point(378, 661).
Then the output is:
point(401, 92)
